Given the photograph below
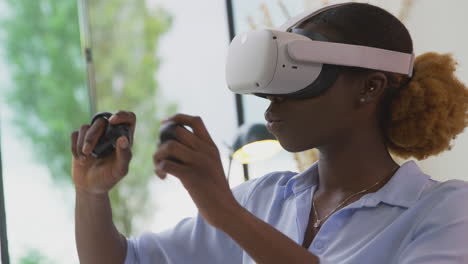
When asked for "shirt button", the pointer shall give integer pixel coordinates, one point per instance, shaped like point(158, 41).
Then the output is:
point(318, 245)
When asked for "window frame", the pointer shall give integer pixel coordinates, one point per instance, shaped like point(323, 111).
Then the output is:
point(238, 97)
point(5, 256)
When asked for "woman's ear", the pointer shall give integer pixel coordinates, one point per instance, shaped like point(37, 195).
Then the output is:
point(374, 85)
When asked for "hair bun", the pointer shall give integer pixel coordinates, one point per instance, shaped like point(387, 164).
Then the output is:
point(429, 111)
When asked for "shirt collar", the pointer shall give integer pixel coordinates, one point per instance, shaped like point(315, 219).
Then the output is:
point(403, 189)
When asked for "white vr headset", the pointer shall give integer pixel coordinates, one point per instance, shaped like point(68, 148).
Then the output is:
point(296, 63)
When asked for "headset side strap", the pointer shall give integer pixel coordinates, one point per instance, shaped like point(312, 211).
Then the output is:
point(310, 51)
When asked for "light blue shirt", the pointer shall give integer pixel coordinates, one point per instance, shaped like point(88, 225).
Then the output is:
point(413, 219)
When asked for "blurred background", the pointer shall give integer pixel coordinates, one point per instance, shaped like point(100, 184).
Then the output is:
point(155, 58)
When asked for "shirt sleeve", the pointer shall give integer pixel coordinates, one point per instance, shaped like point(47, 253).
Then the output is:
point(442, 235)
point(192, 240)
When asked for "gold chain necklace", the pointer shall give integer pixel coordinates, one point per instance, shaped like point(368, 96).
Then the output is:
point(319, 222)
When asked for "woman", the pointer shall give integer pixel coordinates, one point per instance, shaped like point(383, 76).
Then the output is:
point(355, 205)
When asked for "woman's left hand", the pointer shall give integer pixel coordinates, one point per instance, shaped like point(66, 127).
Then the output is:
point(201, 173)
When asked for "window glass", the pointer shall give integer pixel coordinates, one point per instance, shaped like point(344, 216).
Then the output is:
point(193, 54)
point(166, 61)
point(150, 57)
point(43, 98)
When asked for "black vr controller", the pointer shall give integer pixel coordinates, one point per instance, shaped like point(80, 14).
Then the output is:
point(108, 141)
point(168, 131)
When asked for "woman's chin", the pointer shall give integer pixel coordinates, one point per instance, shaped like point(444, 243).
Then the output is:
point(293, 146)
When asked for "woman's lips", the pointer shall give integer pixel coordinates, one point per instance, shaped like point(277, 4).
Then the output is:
point(274, 125)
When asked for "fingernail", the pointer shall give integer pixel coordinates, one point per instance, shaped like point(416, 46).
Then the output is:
point(124, 143)
point(111, 118)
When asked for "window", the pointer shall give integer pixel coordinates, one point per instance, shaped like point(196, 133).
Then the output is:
point(150, 57)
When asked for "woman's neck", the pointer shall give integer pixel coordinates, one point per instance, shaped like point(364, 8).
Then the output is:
point(350, 167)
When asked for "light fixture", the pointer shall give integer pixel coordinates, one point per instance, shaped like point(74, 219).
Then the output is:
point(253, 143)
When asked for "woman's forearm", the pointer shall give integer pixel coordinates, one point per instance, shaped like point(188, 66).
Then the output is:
point(97, 239)
point(263, 242)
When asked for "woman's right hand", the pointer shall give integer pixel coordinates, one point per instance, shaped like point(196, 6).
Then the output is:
point(98, 176)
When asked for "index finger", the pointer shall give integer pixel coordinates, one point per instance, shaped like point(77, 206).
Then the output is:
point(93, 134)
point(196, 123)
point(124, 117)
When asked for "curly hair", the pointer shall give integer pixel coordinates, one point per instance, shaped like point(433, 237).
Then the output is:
point(418, 116)
point(430, 111)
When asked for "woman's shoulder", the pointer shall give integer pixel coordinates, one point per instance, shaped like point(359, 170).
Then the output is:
point(446, 199)
point(455, 188)
point(442, 207)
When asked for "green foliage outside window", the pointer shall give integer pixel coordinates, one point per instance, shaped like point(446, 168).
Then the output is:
point(125, 38)
point(49, 96)
point(34, 256)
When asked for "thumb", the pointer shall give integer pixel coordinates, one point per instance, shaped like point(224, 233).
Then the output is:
point(123, 155)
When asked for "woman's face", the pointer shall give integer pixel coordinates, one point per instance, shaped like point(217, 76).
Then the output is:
point(314, 122)
point(310, 123)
